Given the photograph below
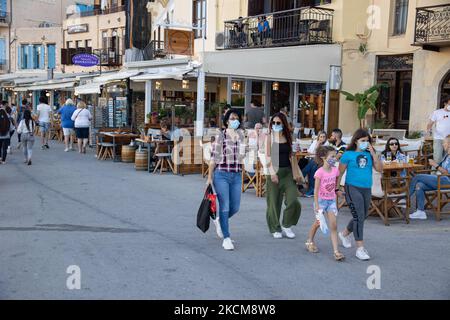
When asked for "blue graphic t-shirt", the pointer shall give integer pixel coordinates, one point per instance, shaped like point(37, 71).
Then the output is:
point(66, 114)
point(359, 168)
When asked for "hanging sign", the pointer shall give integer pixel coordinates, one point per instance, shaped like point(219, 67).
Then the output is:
point(85, 60)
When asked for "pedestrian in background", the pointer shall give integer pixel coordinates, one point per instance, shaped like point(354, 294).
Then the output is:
point(440, 118)
point(26, 129)
point(5, 128)
point(45, 115)
point(12, 128)
point(67, 123)
point(225, 173)
point(82, 121)
point(284, 170)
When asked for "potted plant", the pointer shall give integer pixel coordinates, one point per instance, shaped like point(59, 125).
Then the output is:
point(366, 101)
point(178, 114)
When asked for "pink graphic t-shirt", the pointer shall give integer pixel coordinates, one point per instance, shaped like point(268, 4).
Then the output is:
point(327, 183)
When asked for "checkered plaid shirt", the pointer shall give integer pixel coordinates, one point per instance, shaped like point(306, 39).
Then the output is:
point(225, 152)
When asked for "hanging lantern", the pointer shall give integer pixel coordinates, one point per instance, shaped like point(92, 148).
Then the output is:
point(185, 84)
point(275, 86)
point(236, 86)
point(158, 85)
point(47, 94)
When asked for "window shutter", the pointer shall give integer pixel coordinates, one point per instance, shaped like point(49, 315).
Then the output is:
point(2, 52)
point(64, 56)
point(42, 58)
point(19, 57)
point(3, 8)
point(30, 57)
point(51, 56)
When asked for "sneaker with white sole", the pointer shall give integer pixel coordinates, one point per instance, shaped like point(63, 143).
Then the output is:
point(362, 254)
point(288, 233)
point(419, 214)
point(218, 228)
point(66, 150)
point(277, 235)
point(227, 244)
point(345, 240)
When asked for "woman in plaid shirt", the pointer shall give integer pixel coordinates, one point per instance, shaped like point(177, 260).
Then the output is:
point(228, 152)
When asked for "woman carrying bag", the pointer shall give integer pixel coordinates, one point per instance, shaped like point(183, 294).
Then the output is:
point(225, 173)
point(283, 170)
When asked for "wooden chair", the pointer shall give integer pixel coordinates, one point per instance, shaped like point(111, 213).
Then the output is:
point(104, 149)
point(249, 171)
point(437, 199)
point(163, 160)
point(388, 194)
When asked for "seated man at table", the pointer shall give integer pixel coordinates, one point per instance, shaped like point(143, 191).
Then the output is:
point(427, 182)
point(337, 143)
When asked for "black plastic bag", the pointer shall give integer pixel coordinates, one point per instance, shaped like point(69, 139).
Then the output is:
point(204, 212)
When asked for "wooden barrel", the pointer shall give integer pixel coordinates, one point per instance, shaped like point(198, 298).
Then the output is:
point(128, 153)
point(141, 160)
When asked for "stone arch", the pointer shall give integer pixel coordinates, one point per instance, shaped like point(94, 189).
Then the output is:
point(438, 82)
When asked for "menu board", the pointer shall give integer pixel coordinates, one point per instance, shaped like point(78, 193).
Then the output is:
point(100, 113)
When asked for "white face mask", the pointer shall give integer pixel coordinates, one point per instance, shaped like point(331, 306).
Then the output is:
point(448, 107)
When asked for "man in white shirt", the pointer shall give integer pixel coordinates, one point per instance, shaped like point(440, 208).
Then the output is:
point(440, 118)
point(45, 115)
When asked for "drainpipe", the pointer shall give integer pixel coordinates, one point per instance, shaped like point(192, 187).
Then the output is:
point(9, 37)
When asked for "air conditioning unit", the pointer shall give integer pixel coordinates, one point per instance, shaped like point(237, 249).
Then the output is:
point(220, 40)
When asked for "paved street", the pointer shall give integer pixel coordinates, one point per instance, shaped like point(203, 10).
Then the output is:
point(133, 235)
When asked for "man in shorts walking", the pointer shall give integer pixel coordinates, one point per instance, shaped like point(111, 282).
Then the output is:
point(44, 114)
point(67, 124)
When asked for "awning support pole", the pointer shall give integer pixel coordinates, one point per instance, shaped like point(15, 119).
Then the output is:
point(200, 103)
point(148, 100)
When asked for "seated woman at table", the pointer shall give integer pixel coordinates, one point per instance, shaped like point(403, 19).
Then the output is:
point(309, 165)
point(165, 132)
point(428, 182)
point(393, 148)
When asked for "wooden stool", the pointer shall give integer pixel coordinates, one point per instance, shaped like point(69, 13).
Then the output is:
point(163, 158)
point(106, 151)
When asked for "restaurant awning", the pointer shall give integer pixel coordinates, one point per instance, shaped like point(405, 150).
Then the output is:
point(89, 88)
point(163, 73)
point(47, 85)
point(115, 76)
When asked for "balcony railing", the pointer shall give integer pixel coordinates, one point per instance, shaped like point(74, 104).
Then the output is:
point(154, 50)
point(109, 57)
point(5, 17)
point(97, 12)
point(433, 26)
point(302, 26)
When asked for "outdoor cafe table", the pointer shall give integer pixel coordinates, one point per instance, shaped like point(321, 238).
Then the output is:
point(114, 136)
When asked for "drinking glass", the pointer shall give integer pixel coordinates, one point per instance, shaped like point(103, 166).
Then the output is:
point(388, 157)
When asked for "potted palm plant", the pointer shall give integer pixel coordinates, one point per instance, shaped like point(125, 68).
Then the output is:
point(365, 100)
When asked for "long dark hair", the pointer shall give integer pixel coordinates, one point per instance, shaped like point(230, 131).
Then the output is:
point(286, 132)
point(360, 133)
point(4, 121)
point(226, 118)
point(387, 149)
point(27, 117)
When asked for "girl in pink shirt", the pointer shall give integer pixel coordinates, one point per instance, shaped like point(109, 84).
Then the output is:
point(325, 198)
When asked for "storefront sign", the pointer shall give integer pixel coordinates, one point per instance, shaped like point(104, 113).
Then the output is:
point(78, 28)
point(85, 60)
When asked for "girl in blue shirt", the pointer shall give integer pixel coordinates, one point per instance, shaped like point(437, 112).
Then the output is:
point(358, 161)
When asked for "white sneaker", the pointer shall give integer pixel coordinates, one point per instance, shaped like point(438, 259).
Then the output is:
point(346, 242)
point(419, 214)
point(362, 254)
point(288, 232)
point(227, 244)
point(277, 235)
point(8, 150)
point(66, 150)
point(218, 228)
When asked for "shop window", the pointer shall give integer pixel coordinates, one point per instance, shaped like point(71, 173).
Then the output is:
point(258, 92)
point(238, 93)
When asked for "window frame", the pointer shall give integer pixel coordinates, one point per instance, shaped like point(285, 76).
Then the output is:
point(199, 20)
point(400, 17)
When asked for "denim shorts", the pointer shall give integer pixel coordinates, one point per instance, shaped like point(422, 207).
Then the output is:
point(328, 206)
point(45, 126)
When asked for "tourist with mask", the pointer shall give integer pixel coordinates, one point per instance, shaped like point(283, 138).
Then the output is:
point(225, 173)
point(357, 162)
point(281, 183)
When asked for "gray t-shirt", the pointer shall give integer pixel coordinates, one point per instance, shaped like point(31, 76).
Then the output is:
point(254, 116)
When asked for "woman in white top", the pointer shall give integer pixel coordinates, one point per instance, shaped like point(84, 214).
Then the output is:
point(82, 118)
point(26, 129)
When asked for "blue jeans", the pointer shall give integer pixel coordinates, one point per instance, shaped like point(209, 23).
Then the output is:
point(309, 171)
point(422, 183)
point(228, 189)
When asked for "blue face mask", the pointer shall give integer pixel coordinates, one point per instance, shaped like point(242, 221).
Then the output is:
point(332, 162)
point(364, 145)
point(277, 127)
point(234, 124)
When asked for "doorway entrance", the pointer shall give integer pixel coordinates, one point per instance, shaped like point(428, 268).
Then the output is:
point(395, 100)
point(445, 90)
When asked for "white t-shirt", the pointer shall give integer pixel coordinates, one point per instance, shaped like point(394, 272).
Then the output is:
point(44, 112)
point(441, 118)
point(312, 148)
point(82, 118)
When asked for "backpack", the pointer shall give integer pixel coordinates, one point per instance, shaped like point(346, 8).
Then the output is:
point(5, 124)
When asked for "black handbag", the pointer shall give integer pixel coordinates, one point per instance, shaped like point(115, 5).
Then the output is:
point(204, 212)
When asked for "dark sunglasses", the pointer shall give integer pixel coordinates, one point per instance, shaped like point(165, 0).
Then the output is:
point(277, 122)
point(393, 144)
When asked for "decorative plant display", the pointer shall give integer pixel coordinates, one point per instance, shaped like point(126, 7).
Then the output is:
point(366, 101)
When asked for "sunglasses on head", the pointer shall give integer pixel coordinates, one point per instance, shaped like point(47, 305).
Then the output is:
point(277, 122)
